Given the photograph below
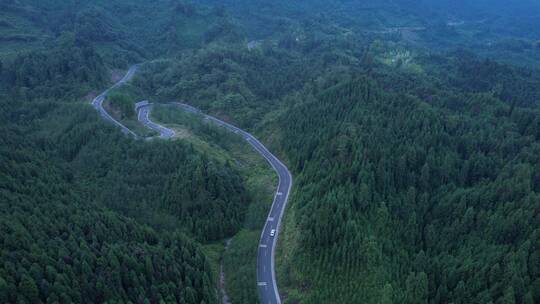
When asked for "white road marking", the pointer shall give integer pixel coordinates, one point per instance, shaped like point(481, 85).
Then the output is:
point(278, 205)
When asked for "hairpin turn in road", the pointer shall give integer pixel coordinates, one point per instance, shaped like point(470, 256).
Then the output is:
point(266, 273)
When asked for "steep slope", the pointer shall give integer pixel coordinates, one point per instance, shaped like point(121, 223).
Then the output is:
point(504, 30)
point(411, 200)
point(90, 215)
point(417, 179)
point(128, 30)
point(60, 245)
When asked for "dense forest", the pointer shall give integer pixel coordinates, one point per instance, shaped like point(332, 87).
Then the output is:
point(89, 215)
point(412, 130)
point(448, 159)
point(427, 204)
point(122, 31)
point(59, 242)
point(416, 181)
point(501, 29)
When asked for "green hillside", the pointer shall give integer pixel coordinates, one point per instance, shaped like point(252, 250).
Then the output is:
point(89, 215)
point(504, 30)
point(19, 29)
point(130, 30)
point(412, 130)
point(409, 201)
point(415, 180)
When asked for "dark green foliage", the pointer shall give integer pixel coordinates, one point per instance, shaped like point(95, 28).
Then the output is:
point(429, 199)
point(167, 185)
point(94, 25)
point(505, 30)
point(240, 263)
point(519, 87)
point(95, 256)
point(65, 71)
point(122, 105)
point(89, 215)
point(122, 31)
point(239, 259)
point(214, 209)
point(58, 244)
point(232, 81)
point(412, 185)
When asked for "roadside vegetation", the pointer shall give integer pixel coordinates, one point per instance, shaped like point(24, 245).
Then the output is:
point(381, 155)
point(120, 104)
point(89, 214)
point(416, 164)
point(239, 260)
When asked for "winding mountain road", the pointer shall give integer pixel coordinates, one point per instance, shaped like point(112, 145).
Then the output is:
point(143, 116)
point(266, 274)
point(97, 103)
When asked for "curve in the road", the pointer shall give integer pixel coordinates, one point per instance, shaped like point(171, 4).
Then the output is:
point(97, 103)
point(266, 274)
point(143, 116)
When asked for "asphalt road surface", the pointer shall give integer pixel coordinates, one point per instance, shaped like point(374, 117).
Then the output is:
point(97, 103)
point(266, 273)
point(143, 117)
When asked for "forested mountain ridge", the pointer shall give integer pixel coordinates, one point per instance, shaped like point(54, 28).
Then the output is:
point(413, 203)
point(87, 214)
point(504, 30)
point(416, 181)
point(65, 70)
point(60, 245)
point(497, 16)
point(130, 31)
point(416, 169)
point(78, 42)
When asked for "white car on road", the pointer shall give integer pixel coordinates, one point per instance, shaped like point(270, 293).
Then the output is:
point(272, 232)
